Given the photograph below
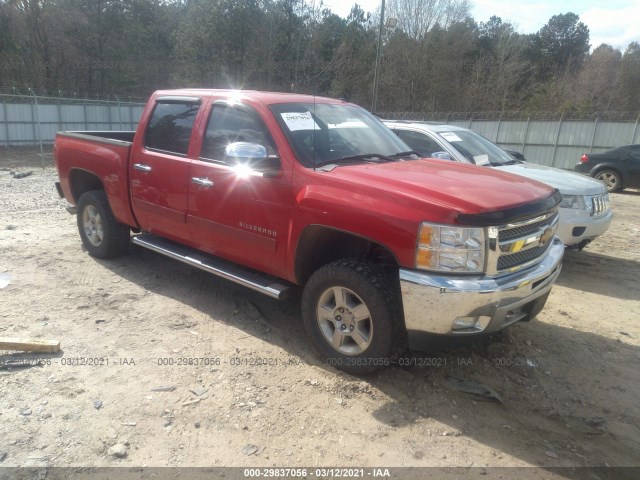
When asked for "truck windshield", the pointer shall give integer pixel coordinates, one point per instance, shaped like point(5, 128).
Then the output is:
point(476, 148)
point(322, 133)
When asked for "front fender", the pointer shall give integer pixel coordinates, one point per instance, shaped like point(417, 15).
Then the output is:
point(379, 220)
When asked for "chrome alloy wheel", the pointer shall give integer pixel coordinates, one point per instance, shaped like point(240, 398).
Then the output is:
point(609, 179)
point(344, 320)
point(92, 223)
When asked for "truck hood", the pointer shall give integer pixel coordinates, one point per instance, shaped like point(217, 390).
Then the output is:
point(568, 183)
point(467, 189)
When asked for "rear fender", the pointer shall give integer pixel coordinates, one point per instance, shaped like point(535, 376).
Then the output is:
point(81, 181)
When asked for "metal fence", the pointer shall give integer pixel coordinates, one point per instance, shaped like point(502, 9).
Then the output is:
point(548, 139)
point(559, 143)
point(34, 120)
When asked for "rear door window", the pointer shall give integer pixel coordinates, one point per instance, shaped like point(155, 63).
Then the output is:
point(170, 127)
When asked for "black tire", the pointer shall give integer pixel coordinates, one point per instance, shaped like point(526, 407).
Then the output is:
point(610, 178)
point(102, 235)
point(359, 285)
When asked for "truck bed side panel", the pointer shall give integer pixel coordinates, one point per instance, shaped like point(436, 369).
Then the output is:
point(105, 158)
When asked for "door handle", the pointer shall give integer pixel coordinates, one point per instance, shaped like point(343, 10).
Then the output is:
point(203, 182)
point(142, 167)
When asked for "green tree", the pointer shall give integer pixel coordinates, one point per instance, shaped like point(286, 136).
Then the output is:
point(216, 40)
point(93, 36)
point(564, 43)
point(417, 17)
point(35, 40)
point(437, 58)
point(597, 85)
point(499, 75)
point(630, 78)
point(557, 53)
point(7, 45)
point(429, 74)
point(148, 28)
point(353, 59)
point(288, 37)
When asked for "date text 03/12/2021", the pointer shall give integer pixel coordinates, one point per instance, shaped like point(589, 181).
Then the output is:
point(316, 472)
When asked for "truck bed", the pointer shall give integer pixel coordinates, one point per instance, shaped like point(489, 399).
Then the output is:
point(102, 137)
point(101, 158)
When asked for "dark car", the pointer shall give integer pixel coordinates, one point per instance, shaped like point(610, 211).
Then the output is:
point(618, 168)
point(515, 154)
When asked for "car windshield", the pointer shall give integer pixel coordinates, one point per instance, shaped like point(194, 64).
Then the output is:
point(321, 134)
point(476, 148)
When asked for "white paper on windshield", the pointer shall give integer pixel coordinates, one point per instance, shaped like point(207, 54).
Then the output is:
point(481, 159)
point(348, 124)
point(451, 137)
point(299, 121)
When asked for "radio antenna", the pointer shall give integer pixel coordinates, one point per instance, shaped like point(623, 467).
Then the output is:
point(313, 132)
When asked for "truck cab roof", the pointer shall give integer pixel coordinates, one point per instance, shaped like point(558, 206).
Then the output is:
point(267, 98)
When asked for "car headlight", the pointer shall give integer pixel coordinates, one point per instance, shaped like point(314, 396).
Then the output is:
point(450, 249)
point(573, 201)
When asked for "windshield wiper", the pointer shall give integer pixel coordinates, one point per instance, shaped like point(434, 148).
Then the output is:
point(508, 162)
point(365, 156)
point(408, 153)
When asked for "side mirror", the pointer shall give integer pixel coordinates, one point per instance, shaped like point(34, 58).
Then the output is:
point(441, 155)
point(252, 155)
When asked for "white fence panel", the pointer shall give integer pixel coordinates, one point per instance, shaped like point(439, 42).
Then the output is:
point(30, 120)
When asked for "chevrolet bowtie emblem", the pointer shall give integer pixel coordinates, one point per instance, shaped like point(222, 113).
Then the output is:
point(546, 236)
point(541, 241)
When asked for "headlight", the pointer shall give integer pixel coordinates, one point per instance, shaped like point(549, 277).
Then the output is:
point(573, 201)
point(450, 249)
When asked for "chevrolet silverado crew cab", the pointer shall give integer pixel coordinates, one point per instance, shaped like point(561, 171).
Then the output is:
point(585, 213)
point(277, 191)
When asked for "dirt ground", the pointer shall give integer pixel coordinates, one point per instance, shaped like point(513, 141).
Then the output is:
point(164, 365)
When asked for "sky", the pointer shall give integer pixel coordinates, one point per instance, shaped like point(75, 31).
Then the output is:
point(614, 22)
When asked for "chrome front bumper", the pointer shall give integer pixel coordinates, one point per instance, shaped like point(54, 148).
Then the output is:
point(458, 305)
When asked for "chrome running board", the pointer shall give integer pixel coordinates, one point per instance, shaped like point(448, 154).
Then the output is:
point(270, 286)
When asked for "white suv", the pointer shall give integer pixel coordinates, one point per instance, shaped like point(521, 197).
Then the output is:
point(584, 212)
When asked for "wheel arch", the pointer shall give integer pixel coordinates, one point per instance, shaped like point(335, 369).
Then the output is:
point(81, 181)
point(609, 167)
point(606, 166)
point(319, 245)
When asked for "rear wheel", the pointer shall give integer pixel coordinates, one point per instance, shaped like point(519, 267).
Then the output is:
point(350, 310)
point(610, 178)
point(102, 235)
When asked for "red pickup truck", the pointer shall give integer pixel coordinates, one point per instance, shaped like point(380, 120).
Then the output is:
point(276, 191)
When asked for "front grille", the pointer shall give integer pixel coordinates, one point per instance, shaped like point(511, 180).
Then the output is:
point(522, 243)
point(599, 204)
point(515, 259)
point(522, 231)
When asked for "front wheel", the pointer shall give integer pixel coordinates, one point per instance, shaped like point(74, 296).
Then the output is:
point(102, 235)
point(350, 310)
point(610, 179)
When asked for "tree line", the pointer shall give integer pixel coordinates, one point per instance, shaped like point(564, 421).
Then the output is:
point(437, 58)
